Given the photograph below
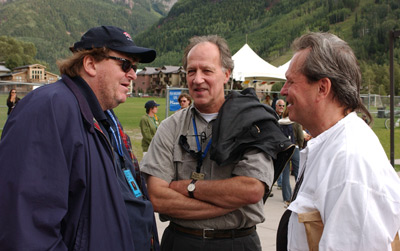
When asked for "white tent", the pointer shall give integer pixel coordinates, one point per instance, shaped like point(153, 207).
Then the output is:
point(249, 66)
point(283, 68)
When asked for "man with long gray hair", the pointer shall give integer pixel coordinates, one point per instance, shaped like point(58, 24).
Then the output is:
point(345, 177)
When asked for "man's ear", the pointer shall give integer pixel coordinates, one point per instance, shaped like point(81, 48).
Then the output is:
point(324, 87)
point(89, 65)
point(227, 76)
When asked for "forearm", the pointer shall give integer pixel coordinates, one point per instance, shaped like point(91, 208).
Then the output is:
point(172, 203)
point(229, 193)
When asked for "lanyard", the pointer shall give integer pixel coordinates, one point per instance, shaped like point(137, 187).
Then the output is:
point(117, 136)
point(203, 155)
point(128, 174)
point(154, 120)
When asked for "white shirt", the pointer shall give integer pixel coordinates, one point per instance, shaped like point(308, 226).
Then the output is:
point(350, 181)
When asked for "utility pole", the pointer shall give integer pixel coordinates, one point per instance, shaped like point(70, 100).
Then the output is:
point(392, 37)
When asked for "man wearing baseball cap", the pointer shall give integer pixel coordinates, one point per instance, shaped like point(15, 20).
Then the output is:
point(149, 124)
point(70, 180)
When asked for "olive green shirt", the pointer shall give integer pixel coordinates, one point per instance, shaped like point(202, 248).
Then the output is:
point(148, 127)
point(165, 159)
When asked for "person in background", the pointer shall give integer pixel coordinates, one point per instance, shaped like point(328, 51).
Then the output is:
point(268, 100)
point(210, 207)
point(280, 108)
point(184, 100)
point(274, 100)
point(287, 128)
point(345, 177)
point(12, 100)
point(300, 139)
point(70, 181)
point(149, 124)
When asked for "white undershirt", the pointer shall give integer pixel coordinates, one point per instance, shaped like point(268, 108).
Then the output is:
point(209, 116)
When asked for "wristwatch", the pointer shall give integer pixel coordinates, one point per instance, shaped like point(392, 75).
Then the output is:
point(191, 187)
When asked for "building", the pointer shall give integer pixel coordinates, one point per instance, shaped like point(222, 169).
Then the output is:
point(145, 77)
point(29, 76)
point(173, 76)
point(3, 68)
point(154, 81)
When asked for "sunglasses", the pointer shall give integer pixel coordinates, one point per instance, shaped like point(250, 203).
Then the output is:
point(126, 64)
point(182, 101)
point(185, 146)
point(281, 105)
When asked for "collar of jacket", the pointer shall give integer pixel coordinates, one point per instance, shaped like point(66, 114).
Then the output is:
point(83, 104)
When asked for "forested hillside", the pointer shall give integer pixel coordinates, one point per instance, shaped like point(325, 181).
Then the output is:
point(268, 26)
point(54, 25)
point(271, 25)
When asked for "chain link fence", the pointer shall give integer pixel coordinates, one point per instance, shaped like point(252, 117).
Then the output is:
point(21, 88)
point(3, 115)
point(378, 105)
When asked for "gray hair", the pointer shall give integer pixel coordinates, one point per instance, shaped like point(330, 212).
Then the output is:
point(331, 57)
point(225, 53)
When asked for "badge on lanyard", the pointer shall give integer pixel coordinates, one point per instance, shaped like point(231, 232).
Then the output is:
point(197, 176)
point(132, 183)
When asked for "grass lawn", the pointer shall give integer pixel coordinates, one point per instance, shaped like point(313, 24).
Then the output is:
point(130, 113)
point(133, 109)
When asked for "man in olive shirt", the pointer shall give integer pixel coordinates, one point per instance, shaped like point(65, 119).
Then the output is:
point(149, 124)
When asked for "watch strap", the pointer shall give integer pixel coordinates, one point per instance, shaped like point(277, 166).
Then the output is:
point(191, 195)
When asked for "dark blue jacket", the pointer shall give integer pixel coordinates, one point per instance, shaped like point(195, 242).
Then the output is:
point(58, 187)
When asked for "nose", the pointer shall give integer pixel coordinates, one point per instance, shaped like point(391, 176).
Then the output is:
point(198, 78)
point(131, 74)
point(284, 90)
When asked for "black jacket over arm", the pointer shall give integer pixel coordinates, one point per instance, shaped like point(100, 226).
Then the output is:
point(243, 123)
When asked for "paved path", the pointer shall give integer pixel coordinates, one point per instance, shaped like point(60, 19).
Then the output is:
point(273, 210)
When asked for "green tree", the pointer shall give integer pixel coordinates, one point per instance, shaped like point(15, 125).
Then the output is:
point(368, 77)
point(17, 53)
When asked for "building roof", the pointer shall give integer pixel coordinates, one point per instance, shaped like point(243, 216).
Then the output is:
point(149, 71)
point(5, 75)
point(4, 69)
point(171, 69)
point(29, 66)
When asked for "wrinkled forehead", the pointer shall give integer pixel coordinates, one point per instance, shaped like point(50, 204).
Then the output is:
point(205, 52)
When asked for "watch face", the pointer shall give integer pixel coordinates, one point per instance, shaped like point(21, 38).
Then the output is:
point(191, 187)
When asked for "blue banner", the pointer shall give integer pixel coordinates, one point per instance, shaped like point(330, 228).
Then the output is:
point(173, 100)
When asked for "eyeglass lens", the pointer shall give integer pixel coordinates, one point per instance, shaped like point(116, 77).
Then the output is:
point(126, 64)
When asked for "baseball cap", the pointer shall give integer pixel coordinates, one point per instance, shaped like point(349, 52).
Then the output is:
point(115, 39)
point(150, 104)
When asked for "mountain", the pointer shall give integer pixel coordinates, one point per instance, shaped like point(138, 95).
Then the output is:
point(270, 26)
point(54, 25)
point(267, 26)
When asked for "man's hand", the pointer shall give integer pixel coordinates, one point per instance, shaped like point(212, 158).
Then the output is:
point(230, 193)
point(167, 201)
